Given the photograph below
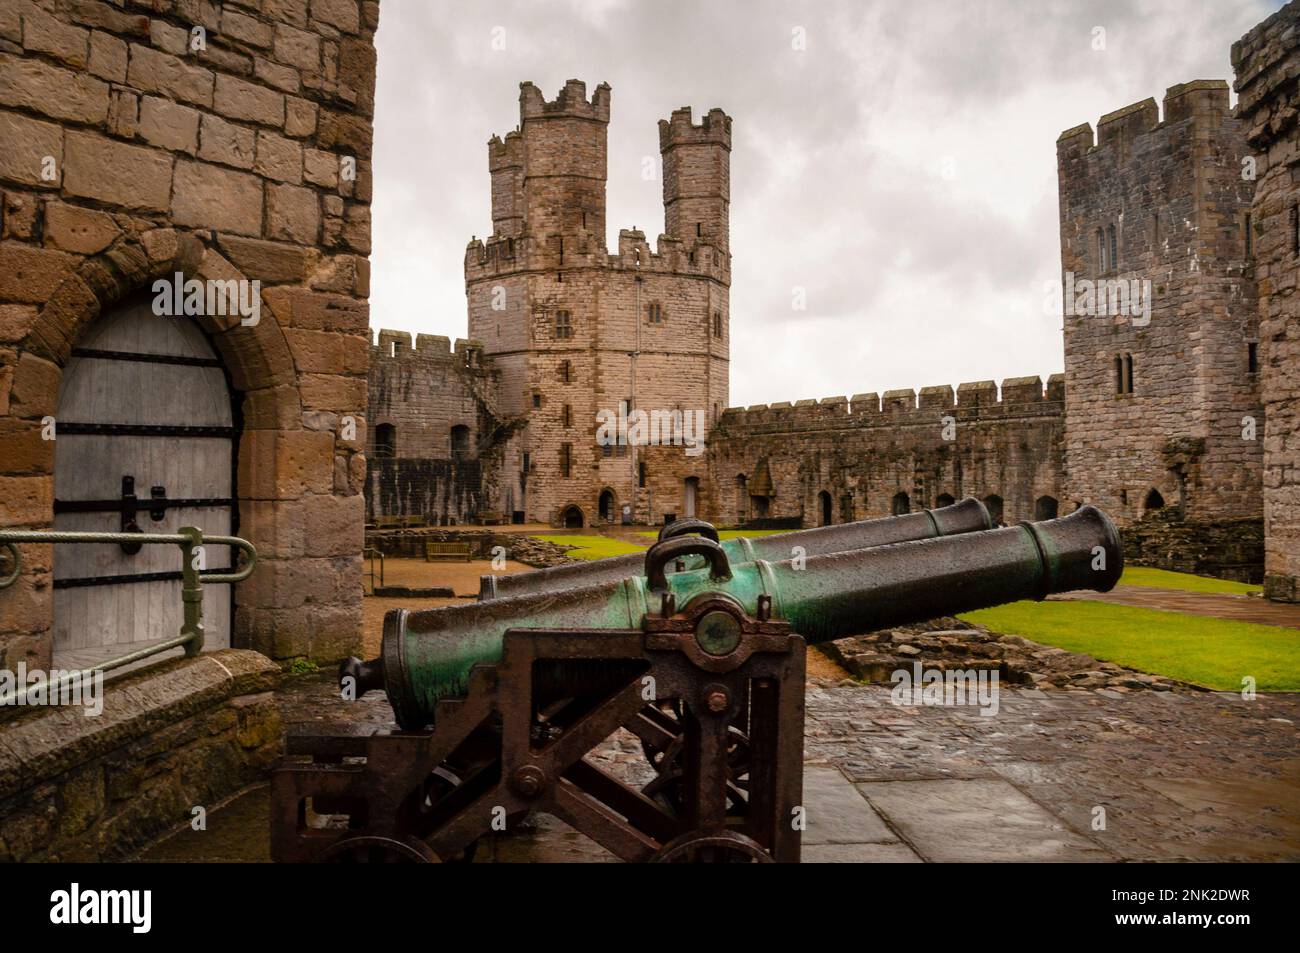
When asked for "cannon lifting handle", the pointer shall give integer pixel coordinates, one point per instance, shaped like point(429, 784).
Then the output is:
point(660, 554)
point(687, 526)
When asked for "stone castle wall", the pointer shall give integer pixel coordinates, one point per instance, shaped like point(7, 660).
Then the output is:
point(776, 462)
point(1172, 191)
point(1267, 65)
point(435, 439)
point(129, 153)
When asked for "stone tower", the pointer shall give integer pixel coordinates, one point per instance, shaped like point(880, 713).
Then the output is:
point(1267, 64)
point(578, 332)
point(1161, 329)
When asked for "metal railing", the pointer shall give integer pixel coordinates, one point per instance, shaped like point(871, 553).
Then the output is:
point(189, 539)
point(370, 552)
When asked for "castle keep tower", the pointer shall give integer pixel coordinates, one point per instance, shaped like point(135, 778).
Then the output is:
point(1267, 64)
point(1162, 403)
point(577, 331)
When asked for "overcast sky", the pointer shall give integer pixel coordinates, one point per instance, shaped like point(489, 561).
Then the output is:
point(901, 168)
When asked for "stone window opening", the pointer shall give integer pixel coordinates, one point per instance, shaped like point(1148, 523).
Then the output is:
point(1154, 501)
point(537, 401)
point(385, 441)
point(1123, 497)
point(717, 324)
point(901, 504)
point(824, 503)
point(567, 415)
point(1245, 229)
point(1046, 508)
point(1112, 260)
point(607, 505)
point(1295, 229)
point(566, 372)
point(1155, 232)
point(1101, 251)
point(654, 313)
point(566, 459)
point(527, 462)
point(460, 441)
point(1252, 357)
point(699, 229)
point(640, 473)
point(606, 450)
point(563, 325)
point(1123, 374)
point(944, 499)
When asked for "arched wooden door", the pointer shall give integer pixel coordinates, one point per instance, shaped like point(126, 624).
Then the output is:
point(145, 439)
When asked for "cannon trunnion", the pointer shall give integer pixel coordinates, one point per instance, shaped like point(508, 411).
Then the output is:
point(501, 701)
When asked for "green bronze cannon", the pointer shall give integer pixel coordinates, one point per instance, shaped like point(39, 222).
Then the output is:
point(967, 516)
point(501, 702)
point(427, 655)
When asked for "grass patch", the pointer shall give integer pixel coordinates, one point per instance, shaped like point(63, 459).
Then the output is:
point(1215, 653)
point(732, 533)
point(594, 547)
point(1164, 579)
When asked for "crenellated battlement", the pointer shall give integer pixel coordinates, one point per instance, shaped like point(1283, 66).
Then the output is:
point(570, 102)
point(506, 153)
point(970, 402)
point(679, 129)
point(396, 346)
point(1199, 100)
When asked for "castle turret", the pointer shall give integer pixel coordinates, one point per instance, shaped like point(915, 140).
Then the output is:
point(697, 178)
point(506, 163)
point(565, 157)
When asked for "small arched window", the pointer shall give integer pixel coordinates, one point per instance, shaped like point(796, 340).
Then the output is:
point(901, 504)
point(1112, 260)
point(1154, 501)
point(993, 503)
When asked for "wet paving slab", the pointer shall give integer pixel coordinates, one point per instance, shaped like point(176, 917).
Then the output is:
point(1066, 776)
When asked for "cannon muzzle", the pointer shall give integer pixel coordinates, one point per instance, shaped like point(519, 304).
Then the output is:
point(427, 655)
point(967, 516)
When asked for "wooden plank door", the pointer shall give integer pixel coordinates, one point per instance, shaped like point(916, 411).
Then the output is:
point(144, 407)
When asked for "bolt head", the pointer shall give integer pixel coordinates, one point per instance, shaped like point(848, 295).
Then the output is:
point(717, 702)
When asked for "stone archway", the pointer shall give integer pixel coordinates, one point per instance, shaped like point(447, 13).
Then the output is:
point(572, 517)
point(295, 451)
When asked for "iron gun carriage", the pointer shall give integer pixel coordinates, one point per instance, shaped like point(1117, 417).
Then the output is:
point(500, 702)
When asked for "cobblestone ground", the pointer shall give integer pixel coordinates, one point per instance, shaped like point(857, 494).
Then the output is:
point(1179, 776)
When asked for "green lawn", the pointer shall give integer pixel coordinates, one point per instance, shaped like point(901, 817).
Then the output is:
point(1216, 653)
point(733, 533)
point(1163, 579)
point(594, 547)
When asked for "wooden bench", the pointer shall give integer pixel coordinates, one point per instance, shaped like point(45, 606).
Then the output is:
point(388, 522)
point(492, 518)
point(434, 551)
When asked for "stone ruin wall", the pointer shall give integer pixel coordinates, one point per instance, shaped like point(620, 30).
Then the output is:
point(222, 162)
point(1267, 66)
point(866, 450)
point(423, 393)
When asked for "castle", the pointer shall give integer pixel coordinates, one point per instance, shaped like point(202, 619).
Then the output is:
point(1159, 416)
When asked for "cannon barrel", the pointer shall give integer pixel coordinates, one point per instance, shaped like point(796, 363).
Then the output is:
point(427, 655)
point(966, 516)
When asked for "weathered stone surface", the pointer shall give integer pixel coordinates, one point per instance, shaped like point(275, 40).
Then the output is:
point(247, 101)
point(208, 196)
point(300, 116)
point(297, 48)
point(43, 33)
point(245, 29)
point(270, 262)
point(79, 230)
point(28, 84)
point(24, 146)
point(343, 14)
point(30, 274)
point(157, 72)
point(108, 57)
point(116, 173)
point(226, 142)
point(279, 158)
point(169, 125)
point(292, 214)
